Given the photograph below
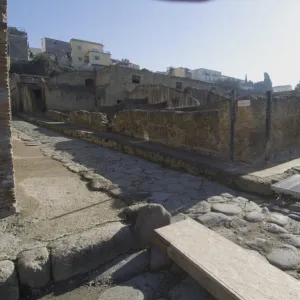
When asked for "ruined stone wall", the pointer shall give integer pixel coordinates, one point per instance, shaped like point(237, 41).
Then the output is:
point(118, 82)
point(285, 124)
point(69, 91)
point(7, 195)
point(93, 120)
point(157, 93)
point(206, 97)
point(250, 127)
point(72, 78)
point(70, 98)
point(205, 132)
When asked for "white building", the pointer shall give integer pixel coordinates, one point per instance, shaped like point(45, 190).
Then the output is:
point(211, 76)
point(206, 75)
point(282, 88)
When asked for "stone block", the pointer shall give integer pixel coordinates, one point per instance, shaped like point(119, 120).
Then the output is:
point(34, 267)
point(82, 252)
point(9, 286)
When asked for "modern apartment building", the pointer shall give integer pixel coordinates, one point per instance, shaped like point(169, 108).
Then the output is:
point(17, 44)
point(60, 49)
point(89, 54)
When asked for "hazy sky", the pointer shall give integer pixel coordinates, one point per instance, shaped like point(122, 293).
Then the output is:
point(236, 37)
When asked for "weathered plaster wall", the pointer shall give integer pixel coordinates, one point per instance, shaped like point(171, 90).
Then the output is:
point(69, 98)
point(206, 97)
point(73, 78)
point(157, 93)
point(118, 82)
point(250, 128)
point(205, 132)
point(69, 91)
point(7, 194)
point(285, 124)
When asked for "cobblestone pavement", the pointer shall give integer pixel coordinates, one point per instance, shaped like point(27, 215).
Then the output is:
point(270, 228)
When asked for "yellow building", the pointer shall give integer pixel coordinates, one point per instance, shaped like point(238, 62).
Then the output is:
point(85, 53)
point(182, 72)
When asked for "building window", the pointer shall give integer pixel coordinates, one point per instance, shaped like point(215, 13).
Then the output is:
point(136, 79)
point(97, 57)
point(119, 101)
point(79, 47)
point(179, 85)
point(89, 82)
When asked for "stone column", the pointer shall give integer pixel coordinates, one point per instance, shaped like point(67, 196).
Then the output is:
point(7, 194)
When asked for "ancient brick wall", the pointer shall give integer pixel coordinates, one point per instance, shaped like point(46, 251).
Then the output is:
point(205, 132)
point(7, 196)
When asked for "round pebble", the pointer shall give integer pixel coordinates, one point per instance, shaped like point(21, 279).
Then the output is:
point(217, 199)
point(274, 228)
point(291, 239)
point(259, 244)
point(227, 209)
point(227, 195)
point(278, 219)
point(254, 217)
point(213, 219)
point(295, 217)
point(285, 258)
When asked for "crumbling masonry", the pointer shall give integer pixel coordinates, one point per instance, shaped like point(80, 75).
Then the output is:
point(7, 195)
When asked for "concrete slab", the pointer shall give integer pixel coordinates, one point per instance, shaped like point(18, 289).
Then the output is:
point(278, 169)
point(224, 269)
point(289, 186)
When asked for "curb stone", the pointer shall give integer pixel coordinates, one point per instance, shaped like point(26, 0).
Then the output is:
point(34, 267)
point(82, 252)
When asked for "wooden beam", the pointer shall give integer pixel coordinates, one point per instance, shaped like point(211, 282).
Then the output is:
point(224, 269)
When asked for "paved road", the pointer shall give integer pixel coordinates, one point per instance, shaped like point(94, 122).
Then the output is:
point(171, 188)
point(272, 229)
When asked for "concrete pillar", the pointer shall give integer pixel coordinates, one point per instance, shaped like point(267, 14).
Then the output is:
point(7, 185)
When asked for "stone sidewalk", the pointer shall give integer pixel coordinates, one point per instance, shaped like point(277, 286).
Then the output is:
point(252, 179)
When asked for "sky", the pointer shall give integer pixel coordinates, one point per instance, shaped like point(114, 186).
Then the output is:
point(236, 37)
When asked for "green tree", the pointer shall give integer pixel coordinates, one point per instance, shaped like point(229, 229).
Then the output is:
point(297, 87)
point(41, 64)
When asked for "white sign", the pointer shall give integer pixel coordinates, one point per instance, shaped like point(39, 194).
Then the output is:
point(243, 103)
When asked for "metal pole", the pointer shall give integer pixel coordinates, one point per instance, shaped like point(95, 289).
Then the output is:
point(232, 123)
point(268, 115)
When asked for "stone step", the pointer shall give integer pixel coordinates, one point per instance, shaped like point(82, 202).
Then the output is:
point(224, 269)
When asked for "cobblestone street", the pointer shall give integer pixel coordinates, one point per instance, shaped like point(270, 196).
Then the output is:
point(269, 227)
